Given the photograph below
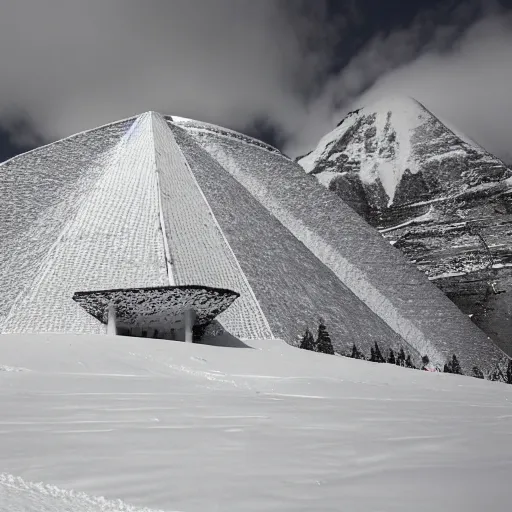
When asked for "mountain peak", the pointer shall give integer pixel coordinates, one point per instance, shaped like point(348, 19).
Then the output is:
point(384, 130)
point(434, 194)
point(398, 137)
point(385, 104)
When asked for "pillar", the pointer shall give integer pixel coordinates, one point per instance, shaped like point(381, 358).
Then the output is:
point(111, 322)
point(190, 318)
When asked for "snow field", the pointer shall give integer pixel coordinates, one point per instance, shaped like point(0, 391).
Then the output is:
point(175, 426)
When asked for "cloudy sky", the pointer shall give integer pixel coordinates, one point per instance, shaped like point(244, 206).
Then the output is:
point(285, 71)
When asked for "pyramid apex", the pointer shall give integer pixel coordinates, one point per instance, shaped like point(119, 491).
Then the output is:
point(151, 114)
point(147, 120)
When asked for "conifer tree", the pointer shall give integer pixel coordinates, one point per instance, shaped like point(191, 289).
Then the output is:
point(409, 363)
point(400, 360)
point(323, 340)
point(307, 342)
point(477, 373)
point(378, 354)
point(372, 355)
point(497, 375)
point(456, 365)
point(391, 357)
point(356, 354)
point(508, 377)
point(453, 366)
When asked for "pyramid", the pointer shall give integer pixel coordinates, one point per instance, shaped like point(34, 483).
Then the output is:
point(156, 200)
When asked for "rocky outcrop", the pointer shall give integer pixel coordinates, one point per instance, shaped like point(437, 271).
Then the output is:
point(434, 194)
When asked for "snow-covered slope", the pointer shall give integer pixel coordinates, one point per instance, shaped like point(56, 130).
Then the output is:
point(434, 194)
point(18, 495)
point(395, 143)
point(176, 426)
point(387, 138)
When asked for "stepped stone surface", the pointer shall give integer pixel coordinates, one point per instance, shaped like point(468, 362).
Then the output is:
point(434, 194)
point(39, 192)
point(112, 241)
point(197, 247)
point(347, 245)
point(158, 201)
point(293, 291)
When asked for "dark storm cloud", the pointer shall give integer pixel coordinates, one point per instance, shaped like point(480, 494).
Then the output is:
point(470, 86)
point(461, 71)
point(283, 69)
point(75, 64)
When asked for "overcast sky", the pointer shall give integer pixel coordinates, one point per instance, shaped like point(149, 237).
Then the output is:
point(283, 70)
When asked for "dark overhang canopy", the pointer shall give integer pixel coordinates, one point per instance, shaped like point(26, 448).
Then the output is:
point(157, 304)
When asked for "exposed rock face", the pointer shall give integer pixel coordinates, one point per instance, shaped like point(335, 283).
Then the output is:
point(434, 194)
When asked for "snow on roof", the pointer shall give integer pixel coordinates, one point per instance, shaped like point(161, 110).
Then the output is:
point(192, 124)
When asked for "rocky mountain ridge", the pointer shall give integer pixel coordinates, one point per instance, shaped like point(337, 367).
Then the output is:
point(436, 195)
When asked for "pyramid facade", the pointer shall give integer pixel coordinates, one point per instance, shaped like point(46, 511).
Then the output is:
point(155, 201)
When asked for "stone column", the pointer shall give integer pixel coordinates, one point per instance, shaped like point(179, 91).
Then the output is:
point(190, 317)
point(111, 322)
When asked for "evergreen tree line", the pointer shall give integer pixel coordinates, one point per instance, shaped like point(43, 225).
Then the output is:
point(399, 358)
point(323, 344)
point(496, 375)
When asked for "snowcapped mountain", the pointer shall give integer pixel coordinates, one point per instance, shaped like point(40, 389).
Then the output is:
point(434, 194)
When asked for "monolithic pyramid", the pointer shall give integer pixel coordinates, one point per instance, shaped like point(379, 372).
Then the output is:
point(155, 200)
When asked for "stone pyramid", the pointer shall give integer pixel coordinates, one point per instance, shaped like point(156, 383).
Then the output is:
point(156, 200)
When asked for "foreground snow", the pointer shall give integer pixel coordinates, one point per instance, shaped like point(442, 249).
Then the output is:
point(19, 496)
point(172, 426)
